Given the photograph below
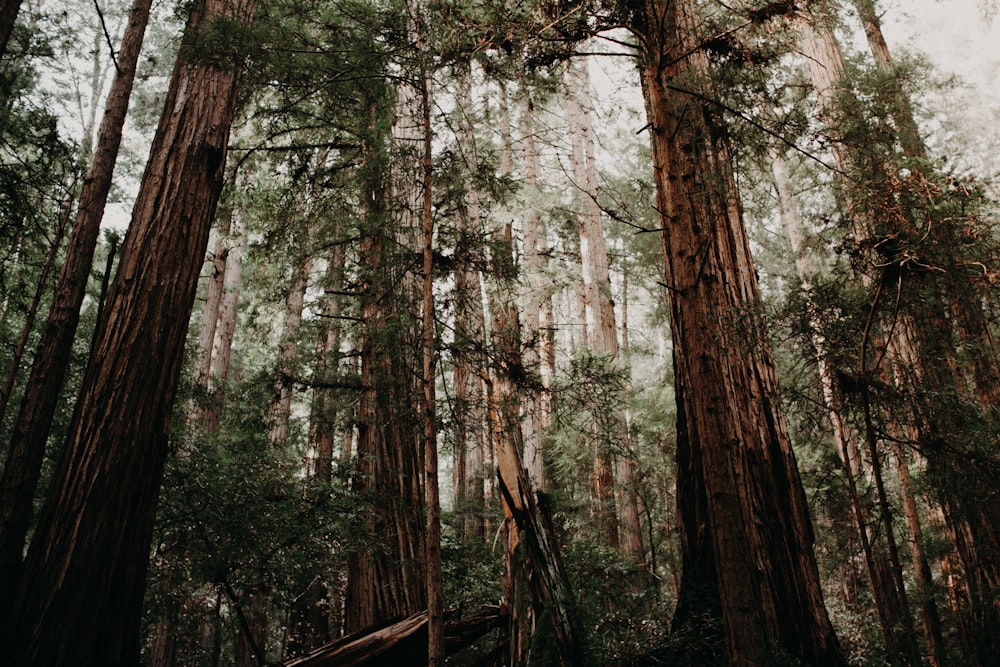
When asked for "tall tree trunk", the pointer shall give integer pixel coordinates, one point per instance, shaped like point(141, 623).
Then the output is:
point(432, 493)
point(602, 338)
point(280, 410)
point(390, 581)
point(225, 330)
point(747, 539)
point(98, 517)
point(534, 239)
point(323, 413)
point(31, 314)
point(627, 465)
point(889, 604)
point(468, 413)
point(902, 111)
point(214, 292)
point(921, 357)
point(531, 548)
point(41, 396)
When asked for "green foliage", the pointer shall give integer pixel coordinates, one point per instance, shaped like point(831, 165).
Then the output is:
point(620, 603)
point(237, 520)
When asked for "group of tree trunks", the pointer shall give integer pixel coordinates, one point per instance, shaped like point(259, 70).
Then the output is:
point(750, 581)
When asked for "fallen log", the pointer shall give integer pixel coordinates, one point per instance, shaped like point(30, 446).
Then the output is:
point(401, 643)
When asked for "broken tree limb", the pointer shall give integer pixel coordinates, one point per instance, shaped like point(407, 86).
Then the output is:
point(401, 643)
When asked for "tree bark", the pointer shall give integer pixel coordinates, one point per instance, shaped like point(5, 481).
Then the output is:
point(225, 330)
point(601, 333)
point(747, 539)
point(280, 410)
point(390, 581)
point(98, 517)
point(469, 416)
point(41, 396)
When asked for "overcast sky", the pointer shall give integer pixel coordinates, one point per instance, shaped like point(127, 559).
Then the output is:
point(959, 36)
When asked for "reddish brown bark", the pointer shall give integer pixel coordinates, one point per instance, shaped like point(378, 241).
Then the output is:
point(80, 597)
point(390, 581)
point(41, 396)
point(747, 538)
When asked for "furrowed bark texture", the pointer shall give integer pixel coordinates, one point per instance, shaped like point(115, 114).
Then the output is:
point(41, 396)
point(389, 581)
point(80, 597)
point(747, 537)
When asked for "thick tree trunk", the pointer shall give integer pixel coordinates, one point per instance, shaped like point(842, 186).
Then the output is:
point(41, 396)
point(747, 537)
point(390, 581)
point(98, 517)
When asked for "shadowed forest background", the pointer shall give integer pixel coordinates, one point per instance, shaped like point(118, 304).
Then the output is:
point(552, 333)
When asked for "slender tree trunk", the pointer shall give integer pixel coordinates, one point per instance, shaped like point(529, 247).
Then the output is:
point(323, 413)
point(41, 396)
point(924, 363)
point(98, 517)
point(535, 292)
point(41, 288)
point(902, 111)
point(601, 337)
point(468, 413)
point(531, 549)
point(225, 330)
point(432, 494)
point(627, 469)
point(747, 538)
point(280, 410)
point(214, 292)
point(889, 604)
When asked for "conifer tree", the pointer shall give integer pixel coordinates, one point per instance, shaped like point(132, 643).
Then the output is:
point(98, 515)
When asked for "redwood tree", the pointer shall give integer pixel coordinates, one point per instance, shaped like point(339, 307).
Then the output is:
point(747, 540)
point(79, 598)
point(41, 396)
